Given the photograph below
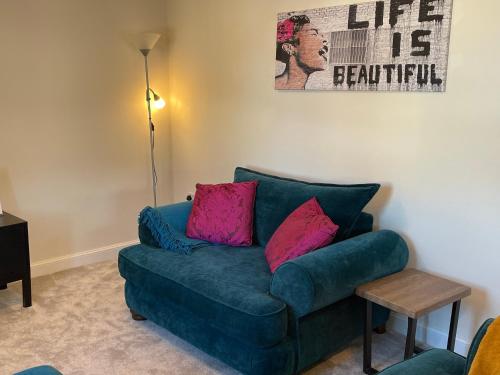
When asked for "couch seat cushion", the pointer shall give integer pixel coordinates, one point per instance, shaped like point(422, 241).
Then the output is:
point(434, 361)
point(227, 286)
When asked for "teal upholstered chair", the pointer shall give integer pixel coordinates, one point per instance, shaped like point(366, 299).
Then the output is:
point(440, 361)
point(225, 301)
point(40, 370)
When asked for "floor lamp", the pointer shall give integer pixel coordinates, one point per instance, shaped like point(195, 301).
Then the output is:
point(145, 44)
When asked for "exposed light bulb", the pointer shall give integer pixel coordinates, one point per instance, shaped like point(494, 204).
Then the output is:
point(159, 103)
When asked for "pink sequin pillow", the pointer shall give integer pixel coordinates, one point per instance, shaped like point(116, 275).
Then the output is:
point(304, 230)
point(223, 213)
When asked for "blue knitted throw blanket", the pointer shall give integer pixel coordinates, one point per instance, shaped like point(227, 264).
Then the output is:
point(166, 236)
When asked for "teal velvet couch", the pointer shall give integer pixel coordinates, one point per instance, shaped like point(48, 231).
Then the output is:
point(440, 361)
point(225, 301)
point(40, 370)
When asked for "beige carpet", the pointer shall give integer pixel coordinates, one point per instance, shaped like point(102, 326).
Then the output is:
point(80, 324)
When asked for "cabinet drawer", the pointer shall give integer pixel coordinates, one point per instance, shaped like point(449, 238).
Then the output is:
point(13, 252)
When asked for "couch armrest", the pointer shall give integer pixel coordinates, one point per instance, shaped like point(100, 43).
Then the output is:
point(327, 275)
point(176, 215)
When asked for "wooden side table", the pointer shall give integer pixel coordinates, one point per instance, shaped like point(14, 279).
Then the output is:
point(14, 254)
point(414, 294)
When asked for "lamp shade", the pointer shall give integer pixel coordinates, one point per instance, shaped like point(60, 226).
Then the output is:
point(146, 41)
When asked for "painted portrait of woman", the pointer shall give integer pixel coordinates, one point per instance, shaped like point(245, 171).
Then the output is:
point(302, 48)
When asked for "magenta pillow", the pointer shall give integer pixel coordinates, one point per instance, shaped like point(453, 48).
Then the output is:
point(223, 213)
point(304, 230)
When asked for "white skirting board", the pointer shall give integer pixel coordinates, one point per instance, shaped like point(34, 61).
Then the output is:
point(49, 266)
point(428, 336)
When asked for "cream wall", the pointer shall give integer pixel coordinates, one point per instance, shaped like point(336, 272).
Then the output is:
point(74, 143)
point(435, 154)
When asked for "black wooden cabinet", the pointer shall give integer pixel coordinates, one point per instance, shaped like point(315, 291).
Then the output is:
point(14, 254)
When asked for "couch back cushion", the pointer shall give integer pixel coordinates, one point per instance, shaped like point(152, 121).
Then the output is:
point(363, 225)
point(278, 197)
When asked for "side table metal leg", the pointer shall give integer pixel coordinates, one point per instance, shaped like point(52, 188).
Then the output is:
point(367, 338)
point(27, 291)
point(452, 335)
point(410, 338)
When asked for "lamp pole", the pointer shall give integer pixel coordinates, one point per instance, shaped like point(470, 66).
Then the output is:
point(145, 52)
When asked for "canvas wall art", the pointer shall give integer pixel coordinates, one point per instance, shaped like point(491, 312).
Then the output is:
point(391, 45)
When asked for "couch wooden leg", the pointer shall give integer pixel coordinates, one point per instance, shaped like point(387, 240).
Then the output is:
point(380, 329)
point(137, 316)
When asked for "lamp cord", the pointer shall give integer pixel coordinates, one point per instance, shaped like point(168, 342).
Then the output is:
point(151, 131)
point(153, 162)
